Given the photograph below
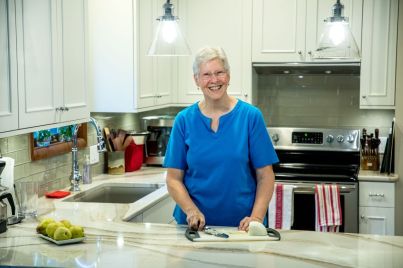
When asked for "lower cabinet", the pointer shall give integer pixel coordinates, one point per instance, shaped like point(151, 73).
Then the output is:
point(159, 213)
point(377, 208)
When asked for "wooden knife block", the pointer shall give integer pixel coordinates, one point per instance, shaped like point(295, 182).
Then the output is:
point(370, 162)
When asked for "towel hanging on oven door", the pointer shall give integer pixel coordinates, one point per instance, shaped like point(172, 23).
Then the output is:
point(281, 208)
point(328, 209)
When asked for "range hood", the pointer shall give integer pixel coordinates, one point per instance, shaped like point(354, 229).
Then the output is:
point(344, 68)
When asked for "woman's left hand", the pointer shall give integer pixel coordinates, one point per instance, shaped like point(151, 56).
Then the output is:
point(244, 224)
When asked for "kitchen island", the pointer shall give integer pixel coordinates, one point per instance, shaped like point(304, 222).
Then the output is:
point(112, 242)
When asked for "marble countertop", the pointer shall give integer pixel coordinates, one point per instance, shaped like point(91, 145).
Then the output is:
point(369, 175)
point(113, 242)
point(125, 244)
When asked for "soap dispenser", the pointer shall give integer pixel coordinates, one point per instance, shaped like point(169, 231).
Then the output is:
point(87, 179)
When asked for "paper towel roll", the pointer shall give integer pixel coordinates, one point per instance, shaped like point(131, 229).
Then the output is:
point(7, 178)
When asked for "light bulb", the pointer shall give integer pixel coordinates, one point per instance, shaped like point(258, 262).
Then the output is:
point(169, 33)
point(337, 32)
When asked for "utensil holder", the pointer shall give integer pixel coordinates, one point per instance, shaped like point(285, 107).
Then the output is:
point(115, 163)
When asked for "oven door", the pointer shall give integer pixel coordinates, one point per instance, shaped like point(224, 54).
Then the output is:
point(304, 204)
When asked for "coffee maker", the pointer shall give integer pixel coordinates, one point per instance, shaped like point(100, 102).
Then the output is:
point(159, 128)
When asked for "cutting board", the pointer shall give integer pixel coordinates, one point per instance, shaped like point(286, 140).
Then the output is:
point(234, 235)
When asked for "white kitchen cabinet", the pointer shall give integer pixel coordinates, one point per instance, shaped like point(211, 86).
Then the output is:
point(160, 212)
point(8, 68)
point(122, 77)
point(289, 30)
point(378, 63)
point(225, 23)
point(51, 51)
point(156, 74)
point(376, 208)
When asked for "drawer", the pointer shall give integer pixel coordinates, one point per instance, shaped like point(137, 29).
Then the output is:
point(377, 194)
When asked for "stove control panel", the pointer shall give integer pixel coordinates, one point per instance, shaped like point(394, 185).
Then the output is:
point(315, 139)
point(307, 137)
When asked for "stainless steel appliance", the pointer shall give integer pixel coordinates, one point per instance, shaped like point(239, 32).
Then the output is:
point(159, 128)
point(310, 156)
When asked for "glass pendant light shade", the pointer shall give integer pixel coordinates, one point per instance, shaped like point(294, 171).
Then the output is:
point(168, 39)
point(337, 40)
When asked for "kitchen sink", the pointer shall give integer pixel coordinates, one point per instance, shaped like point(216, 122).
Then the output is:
point(115, 193)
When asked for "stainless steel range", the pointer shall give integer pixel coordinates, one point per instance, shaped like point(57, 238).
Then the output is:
point(309, 156)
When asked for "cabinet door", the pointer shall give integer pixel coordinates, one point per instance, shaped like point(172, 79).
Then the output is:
point(278, 33)
point(378, 63)
point(224, 23)
point(8, 68)
point(156, 74)
point(377, 220)
point(74, 60)
point(36, 25)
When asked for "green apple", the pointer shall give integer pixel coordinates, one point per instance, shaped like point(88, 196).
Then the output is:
point(51, 228)
point(66, 223)
point(41, 228)
point(62, 233)
point(76, 231)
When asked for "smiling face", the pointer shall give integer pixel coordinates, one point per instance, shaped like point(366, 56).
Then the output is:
point(212, 79)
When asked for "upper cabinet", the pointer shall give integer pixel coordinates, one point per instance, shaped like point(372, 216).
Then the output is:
point(8, 68)
point(51, 61)
point(123, 77)
point(46, 56)
point(289, 30)
point(226, 24)
point(378, 63)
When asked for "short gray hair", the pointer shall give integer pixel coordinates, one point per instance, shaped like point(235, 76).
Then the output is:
point(207, 54)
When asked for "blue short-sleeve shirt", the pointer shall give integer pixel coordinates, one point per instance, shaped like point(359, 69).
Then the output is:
point(219, 167)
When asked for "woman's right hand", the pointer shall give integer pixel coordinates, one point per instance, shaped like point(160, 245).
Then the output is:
point(195, 219)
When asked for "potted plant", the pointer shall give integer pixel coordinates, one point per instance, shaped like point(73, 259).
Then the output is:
point(65, 133)
point(44, 137)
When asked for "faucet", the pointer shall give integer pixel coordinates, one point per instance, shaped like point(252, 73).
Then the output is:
point(75, 172)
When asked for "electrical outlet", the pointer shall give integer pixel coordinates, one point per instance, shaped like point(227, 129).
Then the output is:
point(94, 155)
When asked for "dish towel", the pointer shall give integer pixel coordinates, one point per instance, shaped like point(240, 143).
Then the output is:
point(328, 209)
point(281, 209)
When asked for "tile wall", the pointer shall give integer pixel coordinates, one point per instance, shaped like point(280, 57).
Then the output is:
point(317, 101)
point(53, 173)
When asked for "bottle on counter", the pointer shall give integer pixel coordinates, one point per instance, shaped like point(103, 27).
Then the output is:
point(87, 179)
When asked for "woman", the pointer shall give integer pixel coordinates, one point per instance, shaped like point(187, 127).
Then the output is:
point(219, 154)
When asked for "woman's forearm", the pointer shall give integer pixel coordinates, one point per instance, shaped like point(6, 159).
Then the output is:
point(178, 191)
point(264, 192)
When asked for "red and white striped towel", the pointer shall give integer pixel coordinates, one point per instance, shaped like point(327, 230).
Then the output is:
point(328, 208)
point(281, 209)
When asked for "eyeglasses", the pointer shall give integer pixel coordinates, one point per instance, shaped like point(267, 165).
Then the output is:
point(209, 76)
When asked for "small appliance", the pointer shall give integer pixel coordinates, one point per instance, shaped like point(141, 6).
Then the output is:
point(159, 128)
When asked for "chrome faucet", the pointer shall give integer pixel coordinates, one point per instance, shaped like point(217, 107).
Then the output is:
point(75, 172)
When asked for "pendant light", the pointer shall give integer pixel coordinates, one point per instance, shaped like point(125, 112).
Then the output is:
point(168, 39)
point(337, 40)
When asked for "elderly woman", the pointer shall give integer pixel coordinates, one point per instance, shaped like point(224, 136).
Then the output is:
point(219, 155)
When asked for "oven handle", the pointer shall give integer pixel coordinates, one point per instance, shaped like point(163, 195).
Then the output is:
point(309, 188)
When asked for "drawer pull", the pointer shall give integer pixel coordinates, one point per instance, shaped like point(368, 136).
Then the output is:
point(376, 195)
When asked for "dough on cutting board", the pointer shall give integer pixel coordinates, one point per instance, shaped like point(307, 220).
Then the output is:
point(256, 229)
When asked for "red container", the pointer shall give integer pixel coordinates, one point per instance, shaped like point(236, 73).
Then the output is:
point(134, 154)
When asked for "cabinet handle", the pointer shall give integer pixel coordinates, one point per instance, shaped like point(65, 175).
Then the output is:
point(364, 97)
point(66, 108)
point(299, 52)
point(363, 218)
point(245, 95)
point(59, 109)
point(310, 53)
point(376, 195)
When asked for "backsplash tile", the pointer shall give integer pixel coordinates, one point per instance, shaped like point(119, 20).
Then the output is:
point(54, 172)
point(317, 101)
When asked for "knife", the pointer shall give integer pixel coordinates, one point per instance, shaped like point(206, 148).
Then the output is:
point(211, 231)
